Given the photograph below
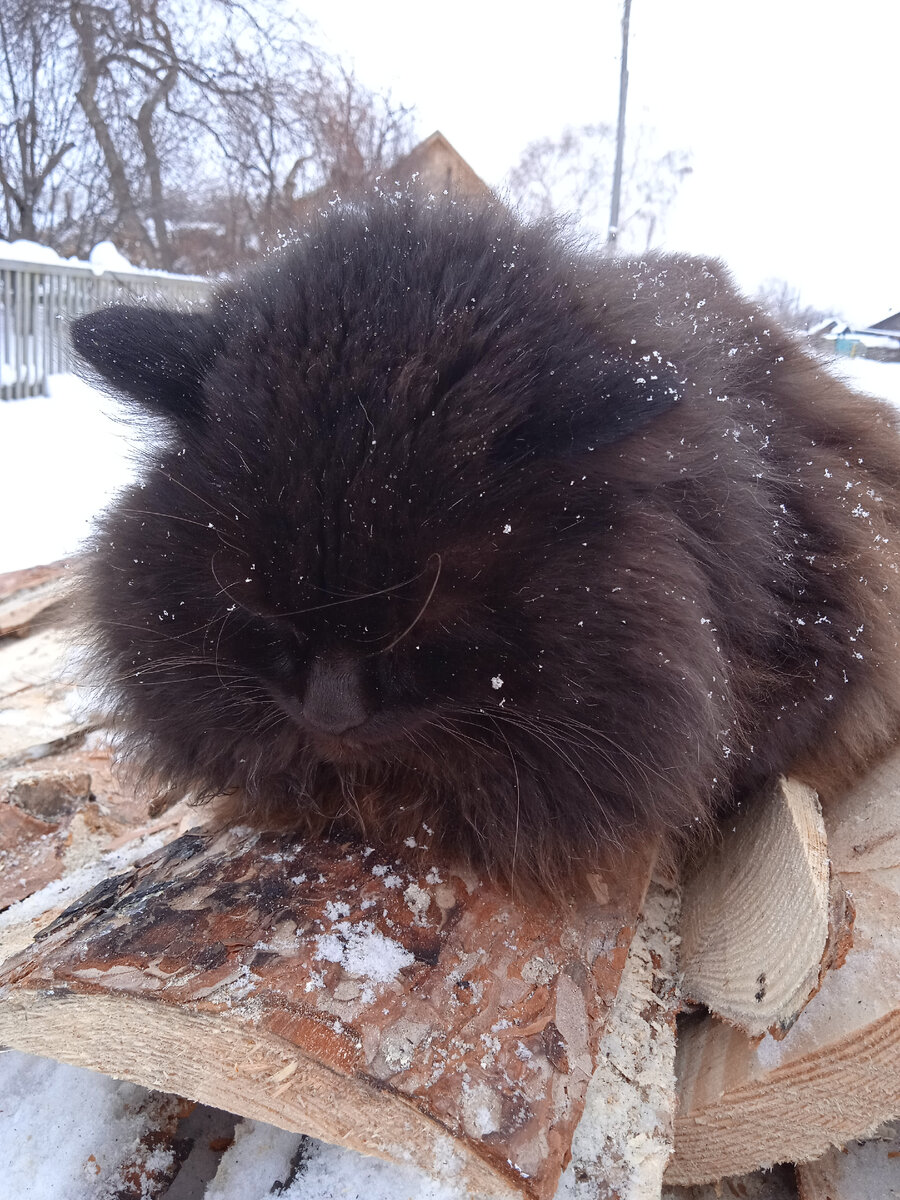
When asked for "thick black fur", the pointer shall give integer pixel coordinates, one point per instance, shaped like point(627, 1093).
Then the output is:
point(461, 535)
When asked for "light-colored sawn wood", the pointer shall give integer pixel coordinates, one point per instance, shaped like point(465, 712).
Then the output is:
point(755, 916)
point(381, 1003)
point(836, 1074)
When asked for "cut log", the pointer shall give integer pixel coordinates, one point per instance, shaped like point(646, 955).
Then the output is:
point(835, 1076)
point(624, 1139)
point(755, 917)
point(21, 923)
point(388, 1006)
point(864, 825)
point(867, 1170)
point(30, 596)
point(36, 704)
point(20, 583)
point(64, 813)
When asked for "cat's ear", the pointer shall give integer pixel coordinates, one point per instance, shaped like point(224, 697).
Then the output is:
point(156, 357)
point(630, 395)
point(595, 407)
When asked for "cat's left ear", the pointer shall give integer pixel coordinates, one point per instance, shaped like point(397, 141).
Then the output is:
point(630, 395)
point(154, 356)
point(604, 399)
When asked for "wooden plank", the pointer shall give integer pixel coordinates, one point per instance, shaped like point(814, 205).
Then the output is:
point(755, 918)
point(389, 1006)
point(836, 1074)
point(868, 1170)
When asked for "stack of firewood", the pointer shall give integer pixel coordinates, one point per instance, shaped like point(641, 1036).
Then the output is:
point(400, 1009)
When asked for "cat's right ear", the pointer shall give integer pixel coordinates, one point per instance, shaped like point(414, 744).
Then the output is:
point(153, 356)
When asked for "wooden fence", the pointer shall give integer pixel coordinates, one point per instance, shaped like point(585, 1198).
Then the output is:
point(39, 300)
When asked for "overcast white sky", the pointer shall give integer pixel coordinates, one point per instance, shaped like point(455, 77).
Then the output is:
point(789, 107)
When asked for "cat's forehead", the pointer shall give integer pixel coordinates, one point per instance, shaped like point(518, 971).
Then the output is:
point(430, 314)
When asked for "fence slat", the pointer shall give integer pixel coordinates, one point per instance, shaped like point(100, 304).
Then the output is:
point(6, 355)
point(39, 301)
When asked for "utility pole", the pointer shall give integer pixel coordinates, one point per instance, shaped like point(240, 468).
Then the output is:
point(620, 133)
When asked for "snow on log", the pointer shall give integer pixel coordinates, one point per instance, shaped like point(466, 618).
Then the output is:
point(835, 1075)
point(760, 913)
point(378, 1003)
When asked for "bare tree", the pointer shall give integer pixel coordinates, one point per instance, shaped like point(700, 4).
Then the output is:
point(572, 175)
point(306, 123)
point(134, 60)
point(38, 112)
point(354, 132)
point(185, 130)
point(786, 305)
point(252, 112)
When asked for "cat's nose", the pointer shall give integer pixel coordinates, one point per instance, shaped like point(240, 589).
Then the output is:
point(333, 701)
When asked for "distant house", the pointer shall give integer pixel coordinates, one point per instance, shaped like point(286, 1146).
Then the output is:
point(879, 341)
point(891, 323)
point(434, 165)
point(437, 165)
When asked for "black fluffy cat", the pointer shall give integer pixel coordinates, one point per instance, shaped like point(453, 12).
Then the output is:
point(459, 534)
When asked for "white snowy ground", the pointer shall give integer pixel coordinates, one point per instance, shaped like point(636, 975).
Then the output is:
point(876, 378)
point(65, 1133)
point(63, 457)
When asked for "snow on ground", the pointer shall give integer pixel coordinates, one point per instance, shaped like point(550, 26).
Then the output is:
point(62, 458)
point(67, 1131)
point(868, 375)
point(262, 1154)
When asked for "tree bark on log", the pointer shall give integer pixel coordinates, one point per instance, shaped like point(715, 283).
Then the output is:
point(386, 1005)
point(624, 1140)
